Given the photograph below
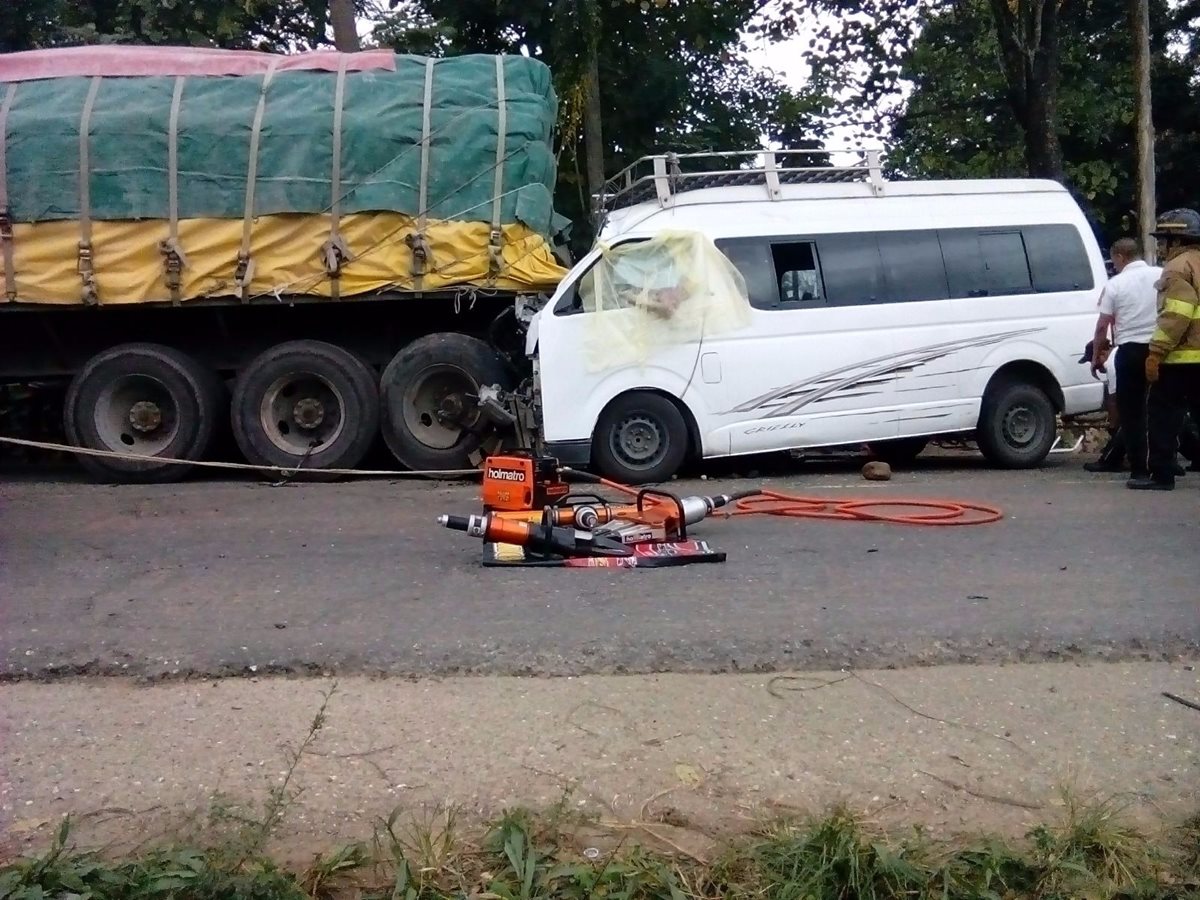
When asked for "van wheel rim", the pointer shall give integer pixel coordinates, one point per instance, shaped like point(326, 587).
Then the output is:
point(302, 413)
point(1020, 426)
point(136, 414)
point(439, 404)
point(638, 441)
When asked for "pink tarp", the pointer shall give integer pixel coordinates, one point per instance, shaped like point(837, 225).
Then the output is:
point(124, 60)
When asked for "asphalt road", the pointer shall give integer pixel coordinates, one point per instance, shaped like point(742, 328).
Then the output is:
point(224, 577)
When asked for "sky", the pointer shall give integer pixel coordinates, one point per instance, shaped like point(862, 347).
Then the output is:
point(787, 59)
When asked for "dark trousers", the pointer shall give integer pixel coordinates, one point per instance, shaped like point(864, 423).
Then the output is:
point(1176, 391)
point(1131, 404)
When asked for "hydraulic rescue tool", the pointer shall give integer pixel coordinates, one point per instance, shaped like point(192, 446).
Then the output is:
point(531, 517)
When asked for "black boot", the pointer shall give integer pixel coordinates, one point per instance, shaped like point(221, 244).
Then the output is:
point(1150, 484)
point(1112, 456)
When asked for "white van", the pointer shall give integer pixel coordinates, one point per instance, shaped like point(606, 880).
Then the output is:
point(884, 313)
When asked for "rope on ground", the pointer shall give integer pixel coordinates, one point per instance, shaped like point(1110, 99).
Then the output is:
point(282, 471)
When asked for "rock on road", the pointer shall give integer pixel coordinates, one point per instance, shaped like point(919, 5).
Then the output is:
point(223, 577)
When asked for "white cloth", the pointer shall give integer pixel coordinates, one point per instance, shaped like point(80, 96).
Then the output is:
point(1131, 298)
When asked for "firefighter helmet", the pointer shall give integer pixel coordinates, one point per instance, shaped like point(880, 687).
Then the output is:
point(1179, 223)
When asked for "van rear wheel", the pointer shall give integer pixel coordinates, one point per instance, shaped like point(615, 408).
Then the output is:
point(641, 437)
point(1017, 424)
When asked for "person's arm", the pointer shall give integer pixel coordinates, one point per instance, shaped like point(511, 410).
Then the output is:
point(1177, 301)
point(1104, 322)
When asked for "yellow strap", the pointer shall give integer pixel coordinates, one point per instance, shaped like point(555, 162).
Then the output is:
point(245, 264)
point(87, 274)
point(1180, 308)
point(335, 249)
point(496, 240)
point(6, 234)
point(1183, 356)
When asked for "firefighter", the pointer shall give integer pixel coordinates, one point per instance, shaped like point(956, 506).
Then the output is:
point(1173, 363)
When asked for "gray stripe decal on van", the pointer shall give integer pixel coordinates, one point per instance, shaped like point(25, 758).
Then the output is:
point(790, 399)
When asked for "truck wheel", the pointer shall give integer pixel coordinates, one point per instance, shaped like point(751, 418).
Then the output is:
point(307, 405)
point(641, 437)
point(898, 451)
point(144, 399)
point(1016, 425)
point(430, 421)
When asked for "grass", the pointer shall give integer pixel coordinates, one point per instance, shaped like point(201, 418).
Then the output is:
point(1092, 853)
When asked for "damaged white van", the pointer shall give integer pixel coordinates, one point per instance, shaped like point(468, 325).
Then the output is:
point(840, 309)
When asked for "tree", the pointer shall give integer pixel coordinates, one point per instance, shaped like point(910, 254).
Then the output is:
point(635, 78)
point(1139, 15)
point(958, 122)
point(274, 25)
point(862, 44)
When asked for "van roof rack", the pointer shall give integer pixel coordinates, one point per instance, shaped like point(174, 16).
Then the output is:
point(665, 175)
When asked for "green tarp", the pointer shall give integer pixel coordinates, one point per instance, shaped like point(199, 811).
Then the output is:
point(381, 136)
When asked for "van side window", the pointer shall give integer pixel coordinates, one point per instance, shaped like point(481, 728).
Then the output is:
point(912, 264)
point(852, 269)
point(799, 278)
point(1057, 259)
point(752, 258)
point(985, 263)
point(1006, 264)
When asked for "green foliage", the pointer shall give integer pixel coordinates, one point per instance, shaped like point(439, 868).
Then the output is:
point(673, 75)
point(1091, 853)
point(276, 25)
point(837, 857)
point(184, 874)
point(958, 122)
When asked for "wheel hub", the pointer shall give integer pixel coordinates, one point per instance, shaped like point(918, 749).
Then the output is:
point(451, 409)
point(1021, 425)
point(639, 440)
point(145, 416)
point(308, 413)
point(438, 406)
point(302, 411)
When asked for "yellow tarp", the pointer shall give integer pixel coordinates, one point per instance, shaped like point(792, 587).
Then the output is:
point(287, 254)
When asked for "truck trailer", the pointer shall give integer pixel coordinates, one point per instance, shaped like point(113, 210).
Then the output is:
point(309, 251)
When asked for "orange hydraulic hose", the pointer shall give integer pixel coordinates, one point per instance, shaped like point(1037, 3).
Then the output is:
point(774, 503)
point(923, 512)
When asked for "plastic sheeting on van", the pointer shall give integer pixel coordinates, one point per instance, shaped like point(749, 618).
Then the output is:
point(674, 288)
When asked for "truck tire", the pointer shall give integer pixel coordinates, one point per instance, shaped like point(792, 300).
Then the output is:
point(640, 438)
point(1017, 425)
point(307, 405)
point(427, 393)
point(146, 399)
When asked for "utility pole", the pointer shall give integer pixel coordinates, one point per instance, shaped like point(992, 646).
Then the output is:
point(1140, 13)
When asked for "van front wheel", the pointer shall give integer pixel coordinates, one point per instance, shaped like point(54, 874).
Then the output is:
point(1017, 425)
point(641, 437)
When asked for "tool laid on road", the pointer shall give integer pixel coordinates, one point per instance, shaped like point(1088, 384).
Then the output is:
point(532, 518)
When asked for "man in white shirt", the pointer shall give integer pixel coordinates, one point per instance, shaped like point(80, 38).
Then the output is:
point(1129, 306)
